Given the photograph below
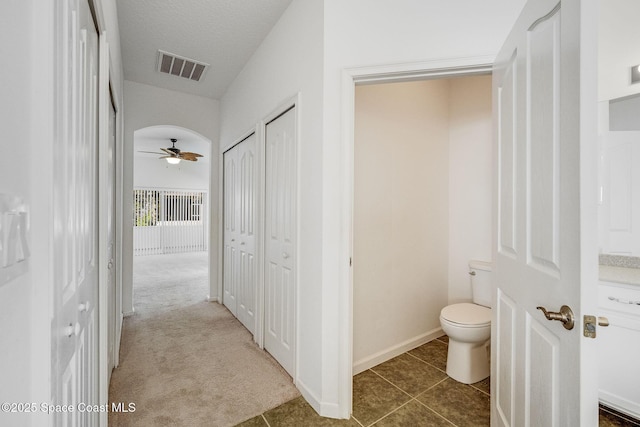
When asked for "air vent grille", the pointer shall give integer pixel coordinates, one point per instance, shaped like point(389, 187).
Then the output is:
point(180, 66)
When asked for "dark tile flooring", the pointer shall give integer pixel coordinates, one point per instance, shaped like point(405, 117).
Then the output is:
point(612, 418)
point(409, 390)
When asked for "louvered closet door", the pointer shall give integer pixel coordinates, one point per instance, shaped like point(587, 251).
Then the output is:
point(280, 248)
point(239, 228)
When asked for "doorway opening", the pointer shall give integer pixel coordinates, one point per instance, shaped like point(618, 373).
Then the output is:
point(171, 177)
point(422, 208)
point(352, 79)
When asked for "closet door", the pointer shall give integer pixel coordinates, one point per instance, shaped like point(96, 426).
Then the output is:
point(230, 197)
point(246, 280)
point(74, 334)
point(280, 249)
point(239, 281)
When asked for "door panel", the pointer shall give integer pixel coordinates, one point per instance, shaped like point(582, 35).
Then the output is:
point(230, 231)
point(280, 250)
point(74, 331)
point(246, 233)
point(239, 276)
point(543, 204)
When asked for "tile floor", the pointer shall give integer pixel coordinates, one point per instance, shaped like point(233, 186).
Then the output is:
point(612, 418)
point(409, 390)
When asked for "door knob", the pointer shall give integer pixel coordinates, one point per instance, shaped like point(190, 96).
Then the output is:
point(72, 329)
point(565, 315)
point(84, 306)
point(285, 255)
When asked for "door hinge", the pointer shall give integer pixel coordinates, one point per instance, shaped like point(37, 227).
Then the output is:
point(590, 323)
point(350, 262)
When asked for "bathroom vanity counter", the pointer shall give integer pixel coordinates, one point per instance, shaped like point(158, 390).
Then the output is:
point(630, 276)
point(620, 269)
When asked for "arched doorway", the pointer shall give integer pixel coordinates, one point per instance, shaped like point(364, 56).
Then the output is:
point(171, 206)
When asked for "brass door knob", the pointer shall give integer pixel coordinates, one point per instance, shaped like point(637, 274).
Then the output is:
point(565, 315)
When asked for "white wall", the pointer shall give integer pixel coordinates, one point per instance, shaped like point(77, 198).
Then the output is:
point(470, 180)
point(306, 52)
point(16, 178)
point(155, 173)
point(618, 48)
point(401, 224)
point(288, 62)
point(146, 106)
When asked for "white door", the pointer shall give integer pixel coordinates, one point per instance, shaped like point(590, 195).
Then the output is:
point(74, 326)
point(111, 230)
point(280, 238)
point(239, 272)
point(247, 285)
point(230, 222)
point(546, 227)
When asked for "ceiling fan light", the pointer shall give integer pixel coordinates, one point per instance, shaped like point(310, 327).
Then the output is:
point(173, 160)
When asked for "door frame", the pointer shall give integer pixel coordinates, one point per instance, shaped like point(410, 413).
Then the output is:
point(104, 100)
point(260, 131)
point(442, 68)
point(107, 96)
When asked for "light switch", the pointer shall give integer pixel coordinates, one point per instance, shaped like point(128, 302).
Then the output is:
point(14, 249)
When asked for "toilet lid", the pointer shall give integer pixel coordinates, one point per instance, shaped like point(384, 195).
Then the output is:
point(467, 314)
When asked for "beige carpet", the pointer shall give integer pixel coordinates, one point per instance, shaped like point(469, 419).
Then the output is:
point(185, 361)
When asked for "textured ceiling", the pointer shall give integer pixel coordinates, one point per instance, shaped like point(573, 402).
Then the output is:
point(222, 33)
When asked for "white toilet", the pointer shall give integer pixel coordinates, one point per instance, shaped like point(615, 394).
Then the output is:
point(469, 328)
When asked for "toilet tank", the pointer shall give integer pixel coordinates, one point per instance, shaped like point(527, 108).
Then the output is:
point(481, 285)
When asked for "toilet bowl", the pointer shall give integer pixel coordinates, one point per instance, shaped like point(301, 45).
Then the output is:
point(468, 326)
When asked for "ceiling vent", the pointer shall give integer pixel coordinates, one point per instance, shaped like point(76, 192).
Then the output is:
point(180, 66)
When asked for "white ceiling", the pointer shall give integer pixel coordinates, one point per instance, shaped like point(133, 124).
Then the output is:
point(222, 33)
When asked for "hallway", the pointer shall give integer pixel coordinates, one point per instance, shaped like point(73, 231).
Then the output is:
point(185, 361)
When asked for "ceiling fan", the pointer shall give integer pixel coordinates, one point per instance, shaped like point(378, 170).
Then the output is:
point(173, 155)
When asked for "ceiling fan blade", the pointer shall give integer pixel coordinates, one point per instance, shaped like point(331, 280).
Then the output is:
point(188, 153)
point(169, 152)
point(150, 152)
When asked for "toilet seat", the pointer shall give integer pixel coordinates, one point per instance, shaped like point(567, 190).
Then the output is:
point(467, 315)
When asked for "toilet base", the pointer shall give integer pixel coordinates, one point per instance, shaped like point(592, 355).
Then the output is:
point(468, 363)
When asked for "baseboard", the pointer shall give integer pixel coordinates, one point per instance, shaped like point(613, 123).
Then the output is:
point(214, 299)
point(309, 396)
point(620, 404)
point(329, 410)
point(391, 352)
point(128, 313)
